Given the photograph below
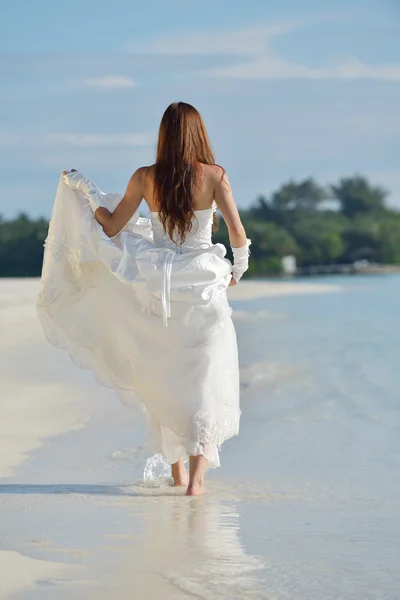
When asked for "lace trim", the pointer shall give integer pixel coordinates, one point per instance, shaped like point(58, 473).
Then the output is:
point(85, 359)
point(208, 433)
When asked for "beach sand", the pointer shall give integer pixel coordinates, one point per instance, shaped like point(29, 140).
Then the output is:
point(79, 521)
point(33, 375)
point(253, 289)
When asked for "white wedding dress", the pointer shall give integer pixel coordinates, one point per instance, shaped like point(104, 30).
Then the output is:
point(150, 318)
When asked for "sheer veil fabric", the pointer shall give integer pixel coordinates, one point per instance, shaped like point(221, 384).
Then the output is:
point(150, 318)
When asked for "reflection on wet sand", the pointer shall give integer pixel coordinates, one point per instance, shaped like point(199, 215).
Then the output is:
point(135, 541)
point(187, 548)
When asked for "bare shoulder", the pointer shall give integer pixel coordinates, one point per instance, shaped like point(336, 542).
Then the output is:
point(216, 175)
point(213, 171)
point(149, 170)
point(140, 179)
point(142, 173)
point(220, 179)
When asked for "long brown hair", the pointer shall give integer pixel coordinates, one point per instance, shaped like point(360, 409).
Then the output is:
point(182, 145)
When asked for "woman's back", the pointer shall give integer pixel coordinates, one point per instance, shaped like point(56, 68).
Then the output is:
point(200, 235)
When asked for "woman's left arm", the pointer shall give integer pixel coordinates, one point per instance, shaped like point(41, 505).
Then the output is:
point(113, 222)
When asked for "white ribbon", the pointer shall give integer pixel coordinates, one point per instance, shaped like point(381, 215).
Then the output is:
point(167, 259)
point(166, 288)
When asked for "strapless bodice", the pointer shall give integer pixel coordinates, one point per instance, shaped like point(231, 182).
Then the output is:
point(199, 237)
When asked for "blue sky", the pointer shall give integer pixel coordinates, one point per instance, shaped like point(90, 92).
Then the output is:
point(287, 90)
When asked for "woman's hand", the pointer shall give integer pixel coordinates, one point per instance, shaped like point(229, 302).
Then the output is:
point(232, 282)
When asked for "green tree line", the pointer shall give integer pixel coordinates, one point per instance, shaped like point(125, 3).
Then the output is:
point(337, 224)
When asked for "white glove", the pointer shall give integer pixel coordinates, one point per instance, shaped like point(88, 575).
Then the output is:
point(78, 181)
point(240, 260)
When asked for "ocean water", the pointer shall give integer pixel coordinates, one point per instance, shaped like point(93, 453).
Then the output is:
point(306, 505)
point(322, 406)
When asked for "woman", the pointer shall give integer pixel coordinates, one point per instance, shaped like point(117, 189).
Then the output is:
point(142, 301)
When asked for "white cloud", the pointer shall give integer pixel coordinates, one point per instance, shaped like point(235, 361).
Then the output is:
point(10, 139)
point(356, 69)
point(251, 48)
point(110, 82)
point(249, 41)
point(98, 139)
point(270, 66)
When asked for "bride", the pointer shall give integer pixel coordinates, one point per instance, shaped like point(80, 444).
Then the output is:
point(142, 301)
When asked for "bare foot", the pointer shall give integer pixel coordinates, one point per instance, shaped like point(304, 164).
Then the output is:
point(197, 469)
point(195, 491)
point(179, 473)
